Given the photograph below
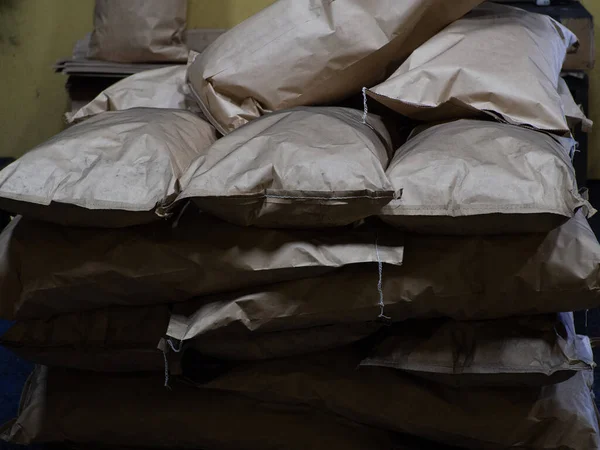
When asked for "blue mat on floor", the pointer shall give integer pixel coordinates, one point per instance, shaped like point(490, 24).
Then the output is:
point(13, 373)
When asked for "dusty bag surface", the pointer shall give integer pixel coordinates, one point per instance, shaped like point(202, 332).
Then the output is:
point(305, 52)
point(158, 88)
point(527, 351)
point(113, 170)
point(558, 417)
point(475, 177)
point(306, 167)
point(136, 411)
point(139, 31)
point(116, 339)
point(471, 67)
point(158, 264)
point(470, 278)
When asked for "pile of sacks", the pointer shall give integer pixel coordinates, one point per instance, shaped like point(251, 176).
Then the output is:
point(306, 281)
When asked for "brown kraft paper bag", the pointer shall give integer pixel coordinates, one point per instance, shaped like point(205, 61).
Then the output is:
point(130, 339)
point(137, 31)
point(300, 168)
point(476, 177)
point(524, 351)
point(573, 111)
point(159, 264)
point(136, 411)
point(309, 52)
point(157, 88)
point(498, 60)
point(114, 170)
point(470, 278)
point(558, 417)
point(116, 339)
point(529, 351)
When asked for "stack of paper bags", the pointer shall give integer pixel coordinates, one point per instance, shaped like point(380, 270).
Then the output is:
point(291, 273)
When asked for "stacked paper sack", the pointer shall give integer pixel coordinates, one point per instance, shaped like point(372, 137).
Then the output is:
point(303, 281)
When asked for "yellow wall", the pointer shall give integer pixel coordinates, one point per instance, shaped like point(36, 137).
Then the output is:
point(35, 33)
point(222, 13)
point(594, 149)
